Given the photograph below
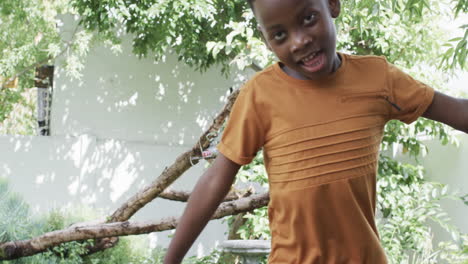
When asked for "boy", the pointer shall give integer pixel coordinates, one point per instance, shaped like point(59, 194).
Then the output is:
point(319, 116)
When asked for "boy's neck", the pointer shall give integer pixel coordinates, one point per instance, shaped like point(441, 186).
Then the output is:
point(296, 75)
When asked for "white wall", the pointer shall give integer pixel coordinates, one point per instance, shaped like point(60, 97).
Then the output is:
point(114, 132)
point(449, 165)
point(138, 100)
point(52, 172)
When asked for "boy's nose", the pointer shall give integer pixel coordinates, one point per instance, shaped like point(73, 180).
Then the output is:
point(300, 41)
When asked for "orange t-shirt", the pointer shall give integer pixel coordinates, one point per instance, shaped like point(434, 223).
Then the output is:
point(321, 143)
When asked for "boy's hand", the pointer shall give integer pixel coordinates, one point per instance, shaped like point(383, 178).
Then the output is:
point(449, 110)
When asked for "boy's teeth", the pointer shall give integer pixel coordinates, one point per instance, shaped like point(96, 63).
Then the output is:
point(308, 58)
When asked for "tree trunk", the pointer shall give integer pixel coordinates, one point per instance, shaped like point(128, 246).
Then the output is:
point(238, 221)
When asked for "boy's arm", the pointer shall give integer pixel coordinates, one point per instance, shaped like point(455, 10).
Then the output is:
point(449, 110)
point(208, 193)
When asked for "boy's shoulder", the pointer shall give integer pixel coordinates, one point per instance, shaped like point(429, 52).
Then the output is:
point(366, 60)
point(261, 79)
point(367, 68)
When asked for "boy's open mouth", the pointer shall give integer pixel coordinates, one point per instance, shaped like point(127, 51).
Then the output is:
point(313, 62)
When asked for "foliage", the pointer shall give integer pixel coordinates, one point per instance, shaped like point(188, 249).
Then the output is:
point(7, 100)
point(19, 223)
point(217, 257)
point(254, 172)
point(27, 29)
point(159, 26)
point(256, 224)
point(18, 112)
point(407, 201)
point(213, 258)
point(226, 29)
point(13, 209)
point(32, 34)
point(457, 51)
point(455, 253)
point(404, 32)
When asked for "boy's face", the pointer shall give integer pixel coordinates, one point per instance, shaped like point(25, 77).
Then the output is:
point(301, 33)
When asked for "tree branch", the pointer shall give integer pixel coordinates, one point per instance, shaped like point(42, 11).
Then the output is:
point(182, 196)
point(23, 248)
point(167, 177)
point(171, 173)
point(40, 63)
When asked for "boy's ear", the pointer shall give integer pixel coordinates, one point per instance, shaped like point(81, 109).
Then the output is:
point(259, 28)
point(335, 7)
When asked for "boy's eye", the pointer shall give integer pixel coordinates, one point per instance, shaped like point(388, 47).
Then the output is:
point(279, 35)
point(309, 19)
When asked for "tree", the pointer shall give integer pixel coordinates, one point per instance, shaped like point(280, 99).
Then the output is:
point(204, 33)
point(32, 35)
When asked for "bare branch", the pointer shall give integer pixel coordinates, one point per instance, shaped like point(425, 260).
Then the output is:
point(168, 176)
point(171, 173)
point(23, 248)
point(182, 196)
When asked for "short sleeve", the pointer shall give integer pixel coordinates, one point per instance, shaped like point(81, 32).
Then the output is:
point(243, 135)
point(410, 97)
